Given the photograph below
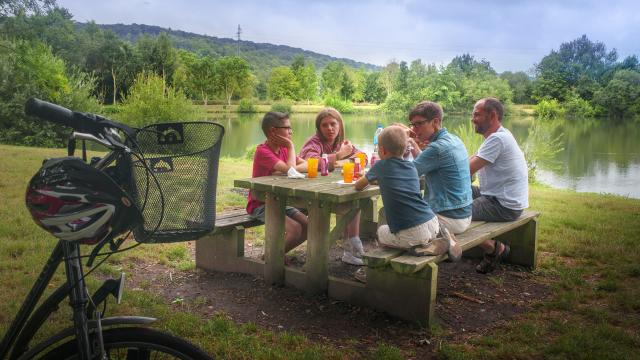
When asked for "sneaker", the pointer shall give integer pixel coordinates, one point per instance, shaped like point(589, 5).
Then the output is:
point(360, 275)
point(356, 246)
point(454, 251)
point(348, 258)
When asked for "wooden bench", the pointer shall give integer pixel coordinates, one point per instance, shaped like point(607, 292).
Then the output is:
point(405, 286)
point(223, 249)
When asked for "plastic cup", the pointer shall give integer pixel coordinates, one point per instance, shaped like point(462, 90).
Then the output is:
point(347, 173)
point(312, 167)
point(363, 159)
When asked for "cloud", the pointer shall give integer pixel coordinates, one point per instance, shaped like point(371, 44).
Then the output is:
point(512, 35)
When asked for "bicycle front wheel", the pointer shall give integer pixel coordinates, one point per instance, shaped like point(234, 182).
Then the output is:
point(135, 343)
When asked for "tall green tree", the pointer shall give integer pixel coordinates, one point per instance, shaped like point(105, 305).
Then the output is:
point(621, 96)
point(202, 77)
point(308, 80)
point(521, 86)
point(373, 90)
point(115, 60)
point(232, 77)
point(27, 7)
point(158, 55)
point(282, 84)
point(332, 78)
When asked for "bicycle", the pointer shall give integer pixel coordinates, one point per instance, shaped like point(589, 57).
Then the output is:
point(101, 203)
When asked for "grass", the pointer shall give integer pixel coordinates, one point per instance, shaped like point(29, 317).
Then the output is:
point(589, 254)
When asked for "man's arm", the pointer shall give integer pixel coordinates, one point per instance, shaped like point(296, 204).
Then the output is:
point(476, 163)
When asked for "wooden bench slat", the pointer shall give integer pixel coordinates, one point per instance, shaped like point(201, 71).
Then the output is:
point(380, 256)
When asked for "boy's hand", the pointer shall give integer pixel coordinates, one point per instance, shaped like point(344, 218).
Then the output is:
point(281, 140)
point(362, 183)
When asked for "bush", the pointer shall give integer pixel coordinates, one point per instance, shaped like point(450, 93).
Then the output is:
point(29, 69)
point(548, 109)
point(151, 101)
point(249, 151)
point(246, 106)
point(579, 108)
point(283, 106)
point(342, 106)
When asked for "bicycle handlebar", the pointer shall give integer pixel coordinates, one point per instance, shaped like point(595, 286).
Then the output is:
point(81, 122)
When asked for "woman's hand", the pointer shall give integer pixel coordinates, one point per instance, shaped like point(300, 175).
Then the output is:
point(345, 150)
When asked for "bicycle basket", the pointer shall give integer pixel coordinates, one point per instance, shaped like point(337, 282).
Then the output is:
point(179, 170)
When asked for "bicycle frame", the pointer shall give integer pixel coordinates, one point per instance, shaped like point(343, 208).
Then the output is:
point(27, 322)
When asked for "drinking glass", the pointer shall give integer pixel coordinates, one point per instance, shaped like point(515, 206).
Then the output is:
point(347, 172)
point(312, 167)
point(363, 160)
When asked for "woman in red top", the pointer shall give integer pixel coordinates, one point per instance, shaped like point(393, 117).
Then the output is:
point(329, 139)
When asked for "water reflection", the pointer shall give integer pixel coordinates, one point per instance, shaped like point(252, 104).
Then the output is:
point(598, 156)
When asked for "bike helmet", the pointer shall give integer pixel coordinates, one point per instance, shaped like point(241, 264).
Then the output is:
point(77, 202)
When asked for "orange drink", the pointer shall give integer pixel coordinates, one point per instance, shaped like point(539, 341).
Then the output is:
point(363, 160)
point(347, 172)
point(312, 167)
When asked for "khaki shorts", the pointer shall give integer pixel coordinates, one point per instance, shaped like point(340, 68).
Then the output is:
point(456, 226)
point(408, 238)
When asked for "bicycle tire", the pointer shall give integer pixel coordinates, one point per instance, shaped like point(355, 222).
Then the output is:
point(135, 343)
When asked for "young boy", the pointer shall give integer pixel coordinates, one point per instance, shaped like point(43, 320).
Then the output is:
point(412, 225)
point(276, 156)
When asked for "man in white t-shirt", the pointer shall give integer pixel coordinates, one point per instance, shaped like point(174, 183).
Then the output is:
point(502, 171)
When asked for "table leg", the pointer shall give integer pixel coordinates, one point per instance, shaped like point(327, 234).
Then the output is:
point(274, 240)
point(318, 243)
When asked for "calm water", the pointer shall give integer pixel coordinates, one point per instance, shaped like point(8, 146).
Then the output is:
point(598, 156)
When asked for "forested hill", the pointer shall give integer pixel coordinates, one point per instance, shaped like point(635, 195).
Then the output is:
point(261, 56)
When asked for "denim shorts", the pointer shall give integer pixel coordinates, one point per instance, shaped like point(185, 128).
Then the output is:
point(258, 213)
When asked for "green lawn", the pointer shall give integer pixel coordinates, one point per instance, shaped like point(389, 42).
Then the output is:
point(589, 254)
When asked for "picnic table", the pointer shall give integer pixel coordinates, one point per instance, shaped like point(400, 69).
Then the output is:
point(321, 196)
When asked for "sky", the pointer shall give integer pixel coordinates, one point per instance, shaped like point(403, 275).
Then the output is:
point(513, 35)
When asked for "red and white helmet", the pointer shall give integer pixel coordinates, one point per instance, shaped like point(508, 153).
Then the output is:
point(76, 202)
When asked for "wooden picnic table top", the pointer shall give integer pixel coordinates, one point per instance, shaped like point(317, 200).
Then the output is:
point(323, 188)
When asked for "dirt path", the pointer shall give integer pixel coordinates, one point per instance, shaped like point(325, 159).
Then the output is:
point(468, 304)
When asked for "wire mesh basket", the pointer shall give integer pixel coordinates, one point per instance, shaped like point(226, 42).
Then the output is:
point(174, 184)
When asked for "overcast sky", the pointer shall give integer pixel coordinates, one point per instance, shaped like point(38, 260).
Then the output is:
point(510, 34)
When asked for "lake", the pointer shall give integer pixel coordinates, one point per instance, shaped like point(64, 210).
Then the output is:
point(597, 156)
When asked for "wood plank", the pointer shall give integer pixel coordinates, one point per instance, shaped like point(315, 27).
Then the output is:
point(341, 223)
point(274, 240)
point(318, 247)
point(380, 256)
point(407, 264)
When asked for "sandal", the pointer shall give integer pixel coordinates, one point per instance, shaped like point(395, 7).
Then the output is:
point(490, 261)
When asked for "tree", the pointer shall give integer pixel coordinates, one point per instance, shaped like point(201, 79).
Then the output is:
point(151, 100)
point(373, 90)
point(402, 78)
point(621, 96)
point(15, 7)
point(307, 82)
point(282, 84)
point(346, 87)
point(202, 77)
point(521, 86)
point(113, 59)
point(332, 77)
point(158, 55)
point(576, 66)
point(29, 68)
point(232, 76)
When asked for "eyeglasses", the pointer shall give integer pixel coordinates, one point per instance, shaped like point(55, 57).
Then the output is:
point(285, 127)
point(417, 123)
